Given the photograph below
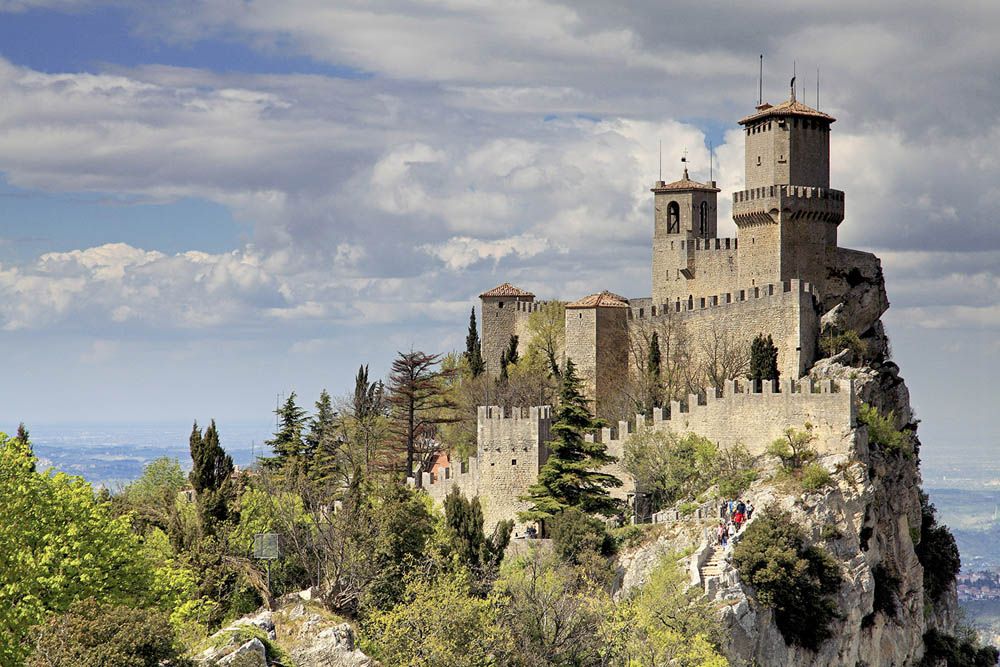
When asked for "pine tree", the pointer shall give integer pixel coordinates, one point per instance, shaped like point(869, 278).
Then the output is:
point(473, 347)
point(763, 359)
point(321, 443)
point(419, 406)
point(571, 476)
point(287, 443)
point(22, 434)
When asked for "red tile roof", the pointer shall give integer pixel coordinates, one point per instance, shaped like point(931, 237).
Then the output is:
point(787, 108)
point(684, 184)
point(506, 289)
point(603, 299)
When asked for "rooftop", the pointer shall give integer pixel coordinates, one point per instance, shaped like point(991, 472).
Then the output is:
point(684, 184)
point(506, 289)
point(791, 107)
point(603, 299)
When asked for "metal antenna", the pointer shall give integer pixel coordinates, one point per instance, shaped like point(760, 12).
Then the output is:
point(661, 159)
point(760, 82)
point(817, 89)
point(711, 162)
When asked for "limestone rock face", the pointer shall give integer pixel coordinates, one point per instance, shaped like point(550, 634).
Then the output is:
point(250, 654)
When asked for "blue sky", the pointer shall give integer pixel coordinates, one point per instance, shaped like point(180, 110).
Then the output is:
point(204, 204)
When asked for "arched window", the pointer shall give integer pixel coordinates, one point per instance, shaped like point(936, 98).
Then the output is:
point(703, 218)
point(673, 218)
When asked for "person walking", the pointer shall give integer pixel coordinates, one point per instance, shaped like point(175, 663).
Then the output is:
point(732, 532)
point(720, 534)
point(749, 510)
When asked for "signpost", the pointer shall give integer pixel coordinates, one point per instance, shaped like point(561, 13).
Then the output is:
point(265, 548)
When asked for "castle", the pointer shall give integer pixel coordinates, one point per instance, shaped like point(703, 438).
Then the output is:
point(778, 277)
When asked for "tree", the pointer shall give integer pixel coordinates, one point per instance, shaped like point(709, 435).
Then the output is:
point(571, 476)
point(473, 347)
point(723, 357)
point(60, 545)
point(670, 468)
point(210, 476)
point(547, 334)
point(365, 430)
point(322, 443)
point(763, 359)
point(793, 447)
point(100, 635)
point(795, 580)
point(653, 370)
point(937, 552)
point(511, 352)
point(152, 498)
point(419, 406)
point(287, 443)
point(440, 624)
point(481, 554)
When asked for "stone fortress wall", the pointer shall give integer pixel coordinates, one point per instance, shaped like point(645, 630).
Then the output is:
point(511, 444)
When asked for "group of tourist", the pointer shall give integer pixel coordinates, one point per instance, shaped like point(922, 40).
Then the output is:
point(733, 515)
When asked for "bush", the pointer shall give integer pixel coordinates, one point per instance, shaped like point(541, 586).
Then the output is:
point(94, 635)
point(849, 340)
point(937, 552)
point(964, 651)
point(793, 449)
point(886, 591)
point(795, 580)
point(882, 431)
point(815, 477)
point(576, 535)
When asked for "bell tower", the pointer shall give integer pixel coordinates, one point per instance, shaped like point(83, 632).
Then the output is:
point(684, 212)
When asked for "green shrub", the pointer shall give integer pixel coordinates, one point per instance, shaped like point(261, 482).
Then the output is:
point(815, 477)
point(629, 536)
point(576, 535)
point(937, 552)
point(94, 635)
point(882, 431)
point(830, 532)
point(687, 509)
point(964, 650)
point(795, 580)
point(793, 449)
point(849, 340)
point(886, 591)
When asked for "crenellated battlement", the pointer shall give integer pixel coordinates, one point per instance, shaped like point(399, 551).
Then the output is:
point(709, 244)
point(755, 206)
point(645, 310)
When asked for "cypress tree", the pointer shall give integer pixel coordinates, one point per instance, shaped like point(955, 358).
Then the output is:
point(473, 351)
point(653, 360)
point(763, 359)
point(571, 476)
point(512, 356)
point(211, 472)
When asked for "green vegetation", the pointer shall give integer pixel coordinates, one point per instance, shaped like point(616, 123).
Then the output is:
point(849, 340)
point(473, 348)
point(677, 470)
point(570, 476)
point(882, 432)
point(937, 552)
point(793, 449)
point(89, 634)
point(964, 650)
point(795, 580)
point(815, 477)
point(763, 359)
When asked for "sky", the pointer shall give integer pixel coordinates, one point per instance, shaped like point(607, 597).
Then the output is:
point(204, 205)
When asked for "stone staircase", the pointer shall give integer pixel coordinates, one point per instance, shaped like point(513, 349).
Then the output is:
point(713, 564)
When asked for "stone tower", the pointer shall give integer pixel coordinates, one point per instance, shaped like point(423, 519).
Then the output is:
point(502, 308)
point(787, 216)
point(684, 211)
point(597, 342)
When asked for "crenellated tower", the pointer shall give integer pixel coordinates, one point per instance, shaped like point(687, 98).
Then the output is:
point(788, 215)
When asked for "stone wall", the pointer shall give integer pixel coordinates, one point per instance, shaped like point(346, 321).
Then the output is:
point(786, 311)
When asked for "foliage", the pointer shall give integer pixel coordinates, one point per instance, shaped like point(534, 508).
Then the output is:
point(961, 651)
point(322, 442)
point(654, 368)
point(547, 336)
point(793, 449)
point(815, 477)
point(419, 405)
point(473, 347)
point(288, 444)
point(481, 554)
point(886, 600)
point(724, 356)
point(438, 624)
point(211, 475)
point(670, 468)
point(669, 623)
point(571, 476)
point(937, 552)
point(849, 340)
point(577, 536)
point(89, 634)
point(737, 471)
point(152, 499)
point(60, 545)
point(763, 359)
point(552, 612)
point(795, 580)
point(882, 431)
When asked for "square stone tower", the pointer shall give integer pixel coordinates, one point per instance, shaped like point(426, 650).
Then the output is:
point(597, 342)
point(787, 216)
point(502, 308)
